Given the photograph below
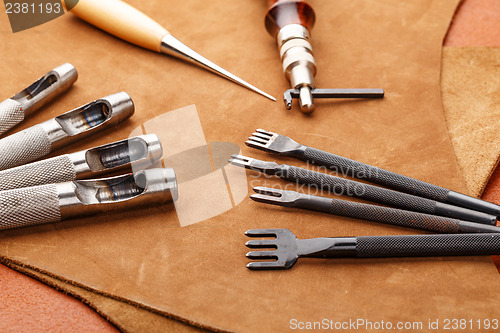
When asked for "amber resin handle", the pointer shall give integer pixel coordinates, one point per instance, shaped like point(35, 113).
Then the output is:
point(285, 12)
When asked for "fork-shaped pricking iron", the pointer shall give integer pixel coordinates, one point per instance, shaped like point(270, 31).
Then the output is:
point(341, 186)
point(286, 248)
point(369, 212)
point(282, 145)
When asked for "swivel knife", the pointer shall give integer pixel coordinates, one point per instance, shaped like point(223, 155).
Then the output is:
point(290, 22)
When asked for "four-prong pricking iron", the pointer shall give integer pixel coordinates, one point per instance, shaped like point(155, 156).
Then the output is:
point(127, 155)
point(368, 212)
point(284, 248)
point(290, 22)
point(284, 146)
point(15, 109)
point(39, 140)
point(55, 202)
point(341, 186)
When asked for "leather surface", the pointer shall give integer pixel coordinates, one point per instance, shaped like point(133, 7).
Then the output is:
point(212, 278)
point(471, 90)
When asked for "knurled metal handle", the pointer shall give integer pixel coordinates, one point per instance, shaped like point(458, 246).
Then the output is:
point(11, 114)
point(406, 218)
point(24, 147)
point(50, 171)
point(428, 245)
point(376, 175)
point(29, 206)
point(343, 186)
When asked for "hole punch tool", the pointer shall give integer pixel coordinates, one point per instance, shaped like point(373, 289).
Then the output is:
point(368, 212)
point(290, 23)
point(285, 248)
point(15, 109)
point(284, 146)
point(39, 140)
point(127, 155)
point(56, 202)
point(124, 21)
point(317, 181)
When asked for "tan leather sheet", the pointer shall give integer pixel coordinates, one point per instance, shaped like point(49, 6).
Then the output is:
point(197, 272)
point(470, 83)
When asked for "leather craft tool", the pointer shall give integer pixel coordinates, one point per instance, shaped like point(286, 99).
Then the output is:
point(39, 140)
point(127, 155)
point(290, 23)
point(56, 202)
point(317, 181)
point(368, 212)
point(285, 248)
point(125, 22)
point(13, 110)
point(284, 146)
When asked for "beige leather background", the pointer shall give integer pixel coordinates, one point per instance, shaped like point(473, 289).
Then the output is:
point(197, 272)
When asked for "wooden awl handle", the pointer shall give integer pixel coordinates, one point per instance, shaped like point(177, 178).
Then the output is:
point(123, 21)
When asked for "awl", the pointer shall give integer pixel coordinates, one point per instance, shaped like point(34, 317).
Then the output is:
point(125, 22)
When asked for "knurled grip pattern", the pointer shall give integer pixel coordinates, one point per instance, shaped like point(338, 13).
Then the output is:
point(23, 147)
point(395, 216)
point(428, 245)
point(383, 177)
point(29, 206)
point(50, 171)
point(11, 114)
point(342, 186)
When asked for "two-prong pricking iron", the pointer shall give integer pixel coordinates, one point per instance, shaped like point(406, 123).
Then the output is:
point(127, 155)
point(284, 146)
point(318, 181)
point(55, 202)
point(368, 212)
point(39, 140)
point(284, 248)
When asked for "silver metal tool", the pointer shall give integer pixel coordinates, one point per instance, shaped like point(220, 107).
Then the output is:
point(285, 146)
point(290, 23)
point(39, 140)
point(128, 155)
point(124, 21)
point(284, 248)
point(317, 181)
point(15, 109)
point(55, 202)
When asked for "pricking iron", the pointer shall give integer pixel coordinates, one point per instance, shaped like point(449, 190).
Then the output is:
point(39, 140)
point(131, 154)
point(285, 248)
point(15, 109)
point(56, 202)
point(290, 22)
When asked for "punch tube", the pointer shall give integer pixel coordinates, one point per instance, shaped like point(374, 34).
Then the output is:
point(55, 202)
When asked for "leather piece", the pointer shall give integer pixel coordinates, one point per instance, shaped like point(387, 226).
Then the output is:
point(431, 160)
point(470, 85)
